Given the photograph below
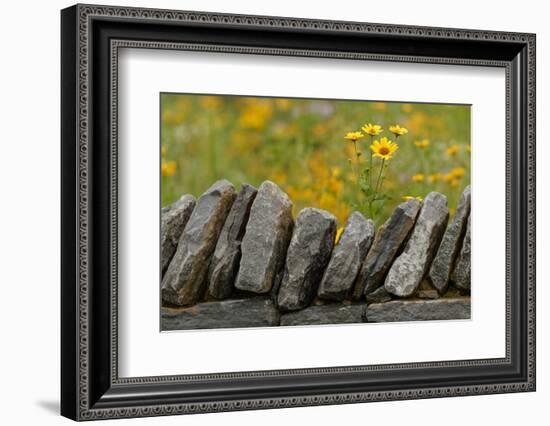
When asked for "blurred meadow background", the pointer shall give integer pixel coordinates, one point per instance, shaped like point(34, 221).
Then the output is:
point(318, 151)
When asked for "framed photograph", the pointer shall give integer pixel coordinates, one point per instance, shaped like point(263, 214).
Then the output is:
point(263, 212)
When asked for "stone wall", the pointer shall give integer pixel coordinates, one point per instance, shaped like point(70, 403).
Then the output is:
point(239, 259)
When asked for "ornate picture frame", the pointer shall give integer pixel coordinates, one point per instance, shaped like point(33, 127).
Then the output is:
point(91, 37)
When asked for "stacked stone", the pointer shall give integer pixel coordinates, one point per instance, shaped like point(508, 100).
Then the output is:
point(308, 255)
point(410, 267)
point(266, 240)
point(345, 263)
point(456, 241)
point(389, 240)
point(240, 260)
point(184, 281)
point(227, 255)
point(173, 221)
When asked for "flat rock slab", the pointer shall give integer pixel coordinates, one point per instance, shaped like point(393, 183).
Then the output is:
point(324, 314)
point(444, 260)
point(389, 239)
point(307, 257)
point(461, 273)
point(227, 255)
point(266, 239)
point(184, 282)
point(173, 221)
point(419, 310)
point(347, 258)
point(408, 270)
point(238, 313)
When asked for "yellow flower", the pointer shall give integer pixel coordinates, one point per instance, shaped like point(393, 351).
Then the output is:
point(468, 148)
point(172, 118)
point(435, 177)
point(168, 168)
point(255, 115)
point(453, 150)
point(451, 179)
point(334, 185)
point(419, 177)
point(327, 201)
point(397, 130)
point(354, 136)
point(458, 172)
point(338, 234)
point(424, 143)
point(379, 106)
point(372, 129)
point(410, 197)
point(384, 148)
point(448, 177)
point(418, 121)
point(243, 142)
point(211, 102)
point(406, 107)
point(279, 177)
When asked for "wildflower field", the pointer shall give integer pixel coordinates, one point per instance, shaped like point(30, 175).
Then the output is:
point(336, 155)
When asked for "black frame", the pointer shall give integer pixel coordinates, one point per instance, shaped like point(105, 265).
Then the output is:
point(91, 37)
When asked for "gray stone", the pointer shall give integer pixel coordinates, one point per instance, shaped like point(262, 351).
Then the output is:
point(175, 204)
point(419, 310)
point(274, 292)
point(347, 257)
point(324, 314)
point(253, 312)
point(426, 291)
point(173, 221)
point(427, 294)
point(266, 239)
point(449, 248)
point(307, 257)
point(380, 295)
point(408, 270)
point(461, 272)
point(185, 279)
point(389, 239)
point(227, 255)
point(454, 292)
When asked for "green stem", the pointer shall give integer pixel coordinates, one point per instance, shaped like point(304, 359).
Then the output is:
point(370, 163)
point(379, 176)
point(352, 168)
point(356, 167)
point(358, 164)
point(371, 213)
point(356, 152)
